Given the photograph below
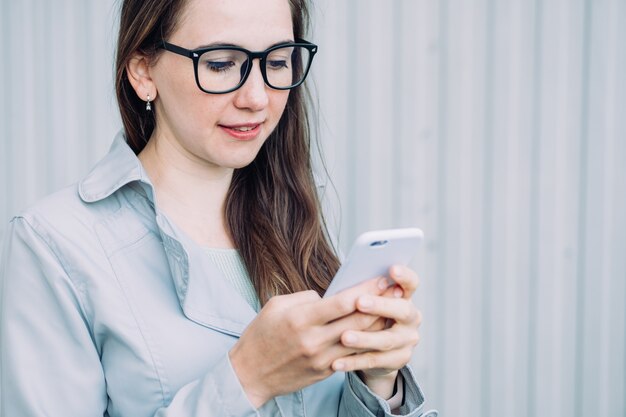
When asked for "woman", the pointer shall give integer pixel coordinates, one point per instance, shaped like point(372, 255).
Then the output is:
point(136, 292)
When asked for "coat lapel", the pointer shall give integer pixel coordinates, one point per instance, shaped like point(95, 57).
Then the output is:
point(205, 296)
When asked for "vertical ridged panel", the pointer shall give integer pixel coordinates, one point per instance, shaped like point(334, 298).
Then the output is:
point(519, 193)
point(497, 127)
point(58, 113)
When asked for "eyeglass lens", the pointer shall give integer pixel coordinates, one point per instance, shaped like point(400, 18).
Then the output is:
point(223, 69)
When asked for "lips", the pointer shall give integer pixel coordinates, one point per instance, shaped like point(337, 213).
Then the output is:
point(243, 128)
point(244, 131)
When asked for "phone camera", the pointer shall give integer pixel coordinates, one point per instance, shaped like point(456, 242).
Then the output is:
point(378, 243)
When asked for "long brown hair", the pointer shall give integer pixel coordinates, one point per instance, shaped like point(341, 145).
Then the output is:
point(272, 207)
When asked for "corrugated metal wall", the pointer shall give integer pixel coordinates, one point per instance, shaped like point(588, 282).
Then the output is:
point(57, 106)
point(497, 126)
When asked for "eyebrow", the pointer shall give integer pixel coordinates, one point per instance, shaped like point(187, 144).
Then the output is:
point(219, 43)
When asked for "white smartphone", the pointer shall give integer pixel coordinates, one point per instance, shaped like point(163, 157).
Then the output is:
point(373, 253)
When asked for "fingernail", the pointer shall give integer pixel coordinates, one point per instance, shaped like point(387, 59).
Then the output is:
point(339, 365)
point(350, 338)
point(383, 283)
point(365, 302)
point(397, 271)
point(397, 292)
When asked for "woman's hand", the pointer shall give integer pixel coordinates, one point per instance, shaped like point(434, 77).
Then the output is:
point(383, 352)
point(295, 338)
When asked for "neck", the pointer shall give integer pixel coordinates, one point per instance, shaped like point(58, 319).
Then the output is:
point(191, 193)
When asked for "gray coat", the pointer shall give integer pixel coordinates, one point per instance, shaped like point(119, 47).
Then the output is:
point(107, 309)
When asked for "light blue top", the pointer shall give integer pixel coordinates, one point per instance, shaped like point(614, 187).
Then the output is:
point(108, 309)
point(231, 265)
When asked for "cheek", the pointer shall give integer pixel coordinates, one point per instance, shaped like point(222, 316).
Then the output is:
point(181, 98)
point(189, 108)
point(278, 105)
point(175, 77)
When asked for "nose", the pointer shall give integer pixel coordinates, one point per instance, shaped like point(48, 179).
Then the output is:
point(253, 93)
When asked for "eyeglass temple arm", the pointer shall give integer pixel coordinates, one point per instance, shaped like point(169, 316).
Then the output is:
point(178, 50)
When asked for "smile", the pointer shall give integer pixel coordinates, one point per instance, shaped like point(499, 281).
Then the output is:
point(243, 132)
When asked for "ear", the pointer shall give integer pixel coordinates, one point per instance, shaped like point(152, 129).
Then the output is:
point(138, 70)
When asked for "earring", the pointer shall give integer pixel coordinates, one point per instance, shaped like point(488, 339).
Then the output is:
point(148, 105)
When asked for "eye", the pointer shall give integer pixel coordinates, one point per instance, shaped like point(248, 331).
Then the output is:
point(280, 58)
point(219, 66)
point(277, 64)
point(222, 60)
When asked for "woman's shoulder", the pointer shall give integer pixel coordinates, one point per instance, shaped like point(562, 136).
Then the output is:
point(109, 187)
point(74, 229)
point(64, 213)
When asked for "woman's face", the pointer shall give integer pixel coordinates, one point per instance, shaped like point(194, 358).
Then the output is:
point(214, 129)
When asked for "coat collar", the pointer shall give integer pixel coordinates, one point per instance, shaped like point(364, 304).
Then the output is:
point(204, 294)
point(118, 168)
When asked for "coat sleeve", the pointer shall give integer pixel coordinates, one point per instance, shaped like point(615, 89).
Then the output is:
point(49, 363)
point(219, 393)
point(358, 400)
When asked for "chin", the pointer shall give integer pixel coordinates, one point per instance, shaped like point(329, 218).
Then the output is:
point(238, 164)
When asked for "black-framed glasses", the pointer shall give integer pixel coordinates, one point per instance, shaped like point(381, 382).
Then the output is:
point(222, 69)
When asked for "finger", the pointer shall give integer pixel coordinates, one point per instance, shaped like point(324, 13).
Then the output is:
point(383, 341)
point(405, 278)
point(344, 302)
point(355, 321)
point(296, 298)
point(381, 323)
point(387, 361)
point(324, 361)
point(398, 309)
point(393, 291)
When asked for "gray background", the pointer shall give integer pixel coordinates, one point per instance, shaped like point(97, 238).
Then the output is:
point(496, 126)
